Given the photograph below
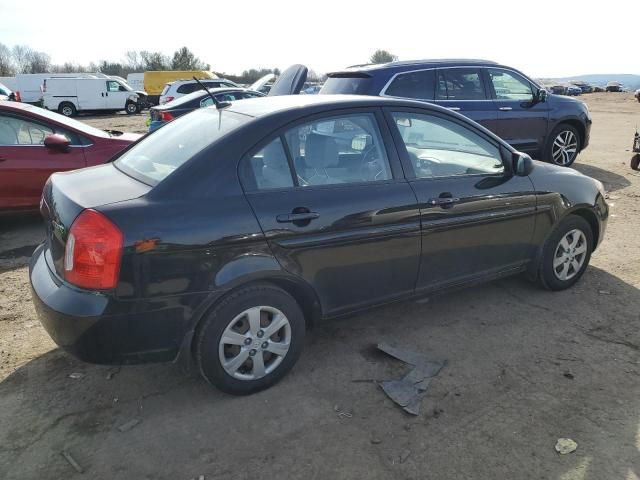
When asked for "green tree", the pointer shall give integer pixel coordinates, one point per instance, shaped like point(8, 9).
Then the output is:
point(382, 56)
point(184, 59)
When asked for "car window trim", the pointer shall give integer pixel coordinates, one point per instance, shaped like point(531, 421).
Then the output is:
point(482, 67)
point(397, 172)
point(404, 155)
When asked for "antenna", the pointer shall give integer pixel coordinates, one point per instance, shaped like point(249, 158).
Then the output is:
point(215, 102)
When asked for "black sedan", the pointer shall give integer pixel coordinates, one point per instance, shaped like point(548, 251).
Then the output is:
point(161, 114)
point(223, 239)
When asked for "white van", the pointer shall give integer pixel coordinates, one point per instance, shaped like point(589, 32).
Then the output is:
point(69, 96)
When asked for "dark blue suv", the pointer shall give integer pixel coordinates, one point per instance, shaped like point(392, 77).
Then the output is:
point(504, 100)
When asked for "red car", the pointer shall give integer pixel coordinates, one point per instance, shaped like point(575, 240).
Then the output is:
point(35, 142)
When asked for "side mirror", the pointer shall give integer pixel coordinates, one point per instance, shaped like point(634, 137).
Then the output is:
point(57, 141)
point(541, 96)
point(522, 164)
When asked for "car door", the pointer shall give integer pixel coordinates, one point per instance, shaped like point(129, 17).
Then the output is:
point(522, 121)
point(330, 196)
point(25, 163)
point(477, 217)
point(464, 90)
point(115, 97)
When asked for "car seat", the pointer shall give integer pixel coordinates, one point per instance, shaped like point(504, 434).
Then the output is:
point(321, 153)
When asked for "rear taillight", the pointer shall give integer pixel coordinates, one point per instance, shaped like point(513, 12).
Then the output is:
point(166, 116)
point(93, 252)
point(167, 99)
point(18, 97)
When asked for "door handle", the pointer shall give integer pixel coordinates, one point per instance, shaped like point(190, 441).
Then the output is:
point(455, 109)
point(3, 159)
point(505, 109)
point(296, 217)
point(102, 94)
point(443, 201)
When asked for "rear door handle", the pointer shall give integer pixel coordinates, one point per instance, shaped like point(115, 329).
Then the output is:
point(3, 159)
point(443, 201)
point(505, 109)
point(455, 109)
point(296, 217)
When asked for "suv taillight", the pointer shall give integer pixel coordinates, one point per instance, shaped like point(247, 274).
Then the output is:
point(167, 99)
point(93, 252)
point(166, 116)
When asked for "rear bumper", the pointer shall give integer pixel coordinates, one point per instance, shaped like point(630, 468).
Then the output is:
point(98, 328)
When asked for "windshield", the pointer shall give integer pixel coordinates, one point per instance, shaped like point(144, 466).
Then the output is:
point(347, 85)
point(156, 156)
point(69, 122)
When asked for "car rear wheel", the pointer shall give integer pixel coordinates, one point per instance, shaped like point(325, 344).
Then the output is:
point(250, 340)
point(635, 161)
point(131, 108)
point(566, 253)
point(563, 145)
point(67, 109)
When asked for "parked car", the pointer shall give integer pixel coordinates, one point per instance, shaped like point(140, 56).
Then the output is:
point(597, 88)
point(221, 239)
point(573, 90)
point(160, 115)
point(69, 96)
point(500, 98)
point(637, 94)
point(582, 85)
point(6, 93)
point(613, 87)
point(155, 80)
point(35, 142)
point(177, 89)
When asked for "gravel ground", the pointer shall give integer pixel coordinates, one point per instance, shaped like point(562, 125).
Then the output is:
point(525, 367)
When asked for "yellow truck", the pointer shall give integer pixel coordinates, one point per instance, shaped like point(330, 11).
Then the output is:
point(154, 81)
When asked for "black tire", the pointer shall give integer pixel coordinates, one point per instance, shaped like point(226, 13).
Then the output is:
point(67, 109)
point(635, 161)
point(216, 322)
point(131, 108)
point(547, 275)
point(557, 133)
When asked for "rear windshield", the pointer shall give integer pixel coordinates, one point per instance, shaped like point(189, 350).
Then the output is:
point(347, 85)
point(156, 156)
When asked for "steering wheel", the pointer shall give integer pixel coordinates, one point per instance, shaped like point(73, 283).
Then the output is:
point(370, 166)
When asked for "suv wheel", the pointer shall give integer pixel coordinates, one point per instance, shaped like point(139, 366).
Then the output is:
point(250, 340)
point(67, 109)
point(566, 253)
point(563, 145)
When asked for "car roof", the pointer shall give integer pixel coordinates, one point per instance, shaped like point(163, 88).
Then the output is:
point(421, 63)
point(16, 106)
point(257, 107)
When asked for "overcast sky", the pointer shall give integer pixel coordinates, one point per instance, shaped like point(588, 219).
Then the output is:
point(542, 38)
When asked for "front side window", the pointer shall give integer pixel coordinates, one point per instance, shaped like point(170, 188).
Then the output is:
point(337, 150)
point(441, 148)
point(460, 84)
point(17, 131)
point(413, 85)
point(113, 86)
point(509, 86)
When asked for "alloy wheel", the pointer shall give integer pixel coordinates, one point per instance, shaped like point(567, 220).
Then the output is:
point(254, 343)
point(565, 148)
point(570, 255)
point(67, 111)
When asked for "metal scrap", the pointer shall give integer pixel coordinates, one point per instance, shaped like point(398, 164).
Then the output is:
point(67, 456)
point(409, 391)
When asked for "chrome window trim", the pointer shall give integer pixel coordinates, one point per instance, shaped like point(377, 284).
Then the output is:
point(484, 67)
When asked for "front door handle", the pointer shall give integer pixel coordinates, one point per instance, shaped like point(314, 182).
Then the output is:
point(455, 109)
point(3, 159)
point(505, 109)
point(296, 217)
point(443, 201)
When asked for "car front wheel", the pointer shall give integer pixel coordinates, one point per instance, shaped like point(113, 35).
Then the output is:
point(563, 145)
point(566, 253)
point(131, 108)
point(250, 340)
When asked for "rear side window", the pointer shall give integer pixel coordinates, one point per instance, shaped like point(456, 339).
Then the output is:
point(157, 156)
point(418, 85)
point(460, 84)
point(347, 85)
point(270, 167)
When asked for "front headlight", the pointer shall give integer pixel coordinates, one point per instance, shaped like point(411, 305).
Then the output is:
point(601, 188)
point(133, 98)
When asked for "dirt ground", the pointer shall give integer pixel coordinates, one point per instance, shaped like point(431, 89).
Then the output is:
point(525, 367)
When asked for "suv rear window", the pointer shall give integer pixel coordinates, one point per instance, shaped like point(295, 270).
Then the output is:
point(357, 85)
point(156, 156)
point(413, 85)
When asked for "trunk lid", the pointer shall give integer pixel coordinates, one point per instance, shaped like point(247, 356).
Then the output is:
point(290, 82)
point(67, 194)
